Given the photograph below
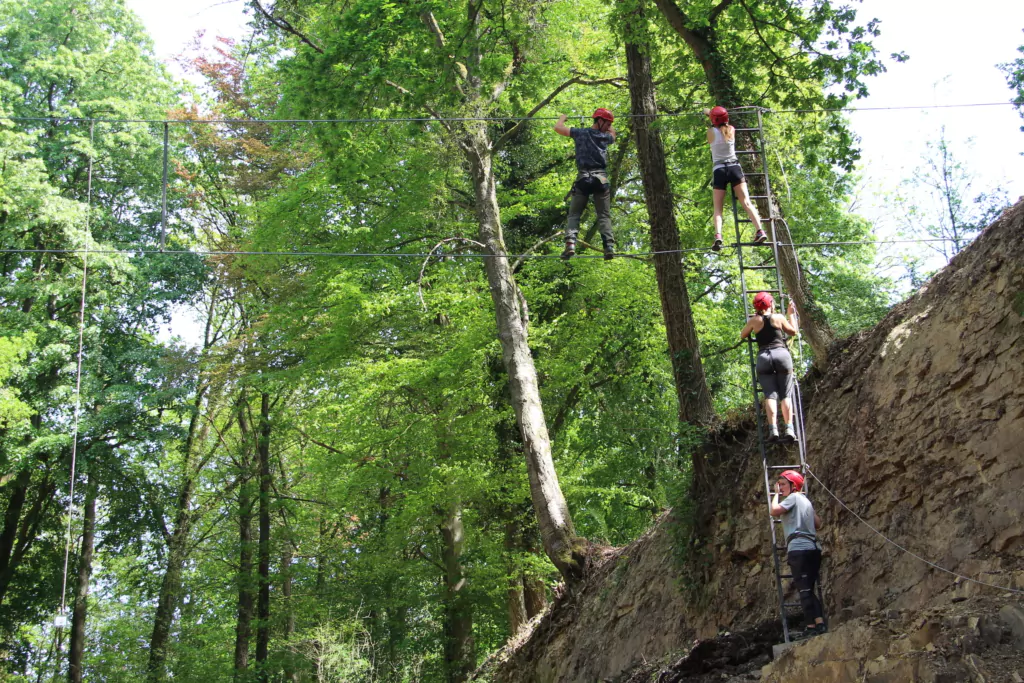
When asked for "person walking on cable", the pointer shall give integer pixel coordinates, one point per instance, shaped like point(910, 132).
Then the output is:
point(800, 524)
point(591, 179)
point(726, 170)
point(774, 363)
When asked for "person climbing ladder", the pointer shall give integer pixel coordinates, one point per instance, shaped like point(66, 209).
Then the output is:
point(591, 179)
point(774, 363)
point(800, 523)
point(725, 170)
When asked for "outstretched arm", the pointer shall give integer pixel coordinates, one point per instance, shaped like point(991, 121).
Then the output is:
point(560, 127)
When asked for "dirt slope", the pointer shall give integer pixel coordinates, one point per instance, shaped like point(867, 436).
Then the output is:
point(918, 425)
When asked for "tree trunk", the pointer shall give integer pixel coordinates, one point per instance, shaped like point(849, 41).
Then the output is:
point(170, 587)
point(557, 532)
point(691, 386)
point(514, 596)
point(77, 645)
point(459, 645)
point(243, 625)
point(263, 601)
point(177, 551)
point(291, 672)
point(534, 595)
point(721, 86)
point(9, 535)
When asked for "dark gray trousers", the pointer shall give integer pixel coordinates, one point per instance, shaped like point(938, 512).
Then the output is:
point(583, 189)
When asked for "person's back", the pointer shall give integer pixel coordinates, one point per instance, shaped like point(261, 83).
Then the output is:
point(723, 149)
point(798, 522)
point(769, 336)
point(591, 149)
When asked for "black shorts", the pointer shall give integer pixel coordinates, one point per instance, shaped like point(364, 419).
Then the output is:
point(726, 175)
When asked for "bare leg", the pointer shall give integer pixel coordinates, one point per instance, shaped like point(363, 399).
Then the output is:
point(787, 411)
point(769, 411)
point(719, 197)
point(748, 206)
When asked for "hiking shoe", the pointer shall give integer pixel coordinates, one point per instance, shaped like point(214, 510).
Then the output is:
point(609, 253)
point(790, 435)
point(760, 237)
point(717, 246)
point(773, 435)
point(569, 252)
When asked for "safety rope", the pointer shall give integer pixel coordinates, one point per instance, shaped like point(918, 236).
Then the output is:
point(905, 550)
point(78, 376)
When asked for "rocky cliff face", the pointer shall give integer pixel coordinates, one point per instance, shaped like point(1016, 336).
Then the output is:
point(918, 426)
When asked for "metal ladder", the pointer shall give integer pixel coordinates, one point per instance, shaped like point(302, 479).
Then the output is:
point(750, 150)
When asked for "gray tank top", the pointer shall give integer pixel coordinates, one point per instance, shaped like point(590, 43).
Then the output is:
point(722, 151)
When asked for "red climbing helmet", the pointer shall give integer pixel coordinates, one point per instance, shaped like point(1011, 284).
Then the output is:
point(604, 114)
point(719, 116)
point(795, 478)
point(763, 301)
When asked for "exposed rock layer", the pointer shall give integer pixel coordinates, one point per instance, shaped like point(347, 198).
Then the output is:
point(917, 425)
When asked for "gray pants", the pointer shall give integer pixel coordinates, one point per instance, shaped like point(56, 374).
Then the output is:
point(582, 190)
point(775, 373)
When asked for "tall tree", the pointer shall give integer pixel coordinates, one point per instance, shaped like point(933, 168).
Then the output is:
point(691, 386)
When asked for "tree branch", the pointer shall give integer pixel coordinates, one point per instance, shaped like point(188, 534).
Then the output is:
point(285, 26)
point(547, 100)
point(429, 109)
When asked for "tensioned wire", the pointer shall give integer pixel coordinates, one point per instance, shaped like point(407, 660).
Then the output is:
point(456, 119)
point(439, 255)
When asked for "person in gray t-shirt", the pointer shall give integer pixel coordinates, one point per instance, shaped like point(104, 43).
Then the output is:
point(591, 179)
point(800, 523)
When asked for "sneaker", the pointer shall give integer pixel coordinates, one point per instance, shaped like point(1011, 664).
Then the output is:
point(790, 435)
point(569, 252)
point(773, 435)
point(760, 237)
point(717, 246)
point(609, 251)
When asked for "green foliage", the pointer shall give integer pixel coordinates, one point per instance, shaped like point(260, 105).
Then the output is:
point(389, 418)
point(1015, 80)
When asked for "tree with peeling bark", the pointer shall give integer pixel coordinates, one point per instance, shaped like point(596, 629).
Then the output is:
point(481, 54)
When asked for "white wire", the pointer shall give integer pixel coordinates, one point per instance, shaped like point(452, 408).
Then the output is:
point(78, 376)
point(909, 552)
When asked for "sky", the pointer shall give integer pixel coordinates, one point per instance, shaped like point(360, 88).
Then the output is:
point(952, 60)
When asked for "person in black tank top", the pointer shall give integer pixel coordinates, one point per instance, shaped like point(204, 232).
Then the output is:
point(774, 364)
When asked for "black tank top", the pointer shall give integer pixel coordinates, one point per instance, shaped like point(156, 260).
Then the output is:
point(769, 337)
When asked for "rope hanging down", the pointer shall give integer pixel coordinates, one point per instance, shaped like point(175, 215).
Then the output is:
point(910, 552)
point(78, 380)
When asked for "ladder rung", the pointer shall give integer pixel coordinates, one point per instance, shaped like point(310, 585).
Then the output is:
point(791, 604)
point(759, 196)
point(748, 151)
point(785, 576)
point(752, 173)
point(760, 267)
point(745, 130)
point(783, 467)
